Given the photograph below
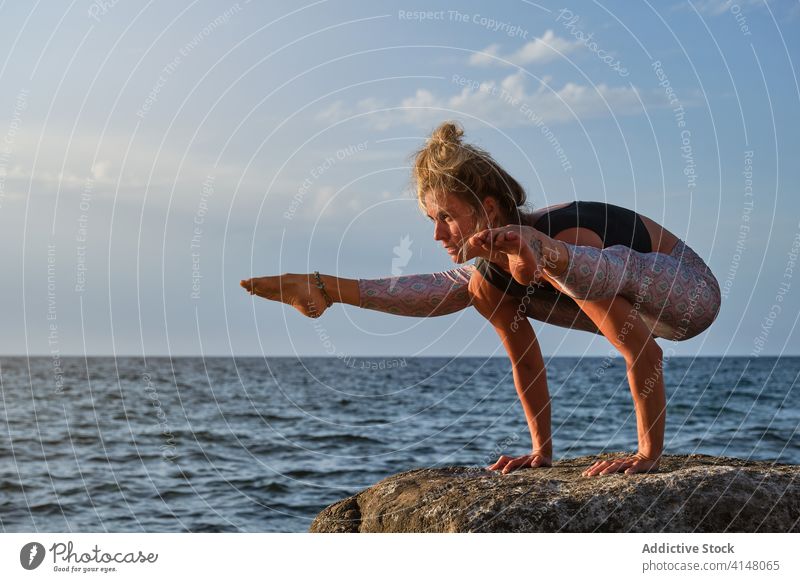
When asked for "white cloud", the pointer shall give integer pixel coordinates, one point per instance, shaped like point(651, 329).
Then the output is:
point(508, 103)
point(100, 170)
point(486, 56)
point(322, 197)
point(540, 50)
point(332, 113)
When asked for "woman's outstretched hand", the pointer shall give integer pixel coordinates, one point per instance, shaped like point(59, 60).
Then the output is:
point(628, 465)
point(299, 291)
point(507, 464)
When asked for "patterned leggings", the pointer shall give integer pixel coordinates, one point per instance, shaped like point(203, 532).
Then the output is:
point(677, 295)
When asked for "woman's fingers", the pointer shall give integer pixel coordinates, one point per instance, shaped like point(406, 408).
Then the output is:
point(508, 464)
point(478, 240)
point(616, 466)
point(627, 465)
point(498, 240)
point(492, 245)
point(596, 468)
point(517, 463)
point(506, 236)
point(499, 462)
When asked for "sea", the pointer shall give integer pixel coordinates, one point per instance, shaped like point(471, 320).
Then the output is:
point(190, 444)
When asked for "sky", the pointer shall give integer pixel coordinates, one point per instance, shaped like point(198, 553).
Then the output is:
point(154, 154)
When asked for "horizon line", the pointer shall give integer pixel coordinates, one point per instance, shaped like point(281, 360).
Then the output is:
point(364, 357)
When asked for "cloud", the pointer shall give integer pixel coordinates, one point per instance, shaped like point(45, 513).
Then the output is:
point(322, 201)
point(540, 50)
point(333, 113)
point(508, 103)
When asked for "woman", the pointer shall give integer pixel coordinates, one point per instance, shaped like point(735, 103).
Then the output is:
point(582, 265)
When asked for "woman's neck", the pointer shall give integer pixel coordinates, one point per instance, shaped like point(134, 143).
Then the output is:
point(523, 217)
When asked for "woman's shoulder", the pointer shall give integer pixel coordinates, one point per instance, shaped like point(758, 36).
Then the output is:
point(533, 217)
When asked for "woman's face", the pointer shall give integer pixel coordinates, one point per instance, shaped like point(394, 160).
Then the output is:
point(454, 221)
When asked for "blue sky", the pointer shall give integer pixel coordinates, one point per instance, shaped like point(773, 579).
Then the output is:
point(285, 129)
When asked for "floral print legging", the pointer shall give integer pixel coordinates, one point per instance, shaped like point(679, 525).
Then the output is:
point(676, 294)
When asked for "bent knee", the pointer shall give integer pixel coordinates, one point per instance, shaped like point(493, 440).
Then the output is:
point(649, 352)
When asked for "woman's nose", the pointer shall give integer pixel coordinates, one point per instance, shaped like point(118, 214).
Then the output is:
point(439, 232)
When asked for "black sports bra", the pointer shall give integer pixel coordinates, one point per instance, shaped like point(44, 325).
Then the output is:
point(614, 225)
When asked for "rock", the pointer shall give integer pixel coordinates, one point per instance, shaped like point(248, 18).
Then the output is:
point(689, 493)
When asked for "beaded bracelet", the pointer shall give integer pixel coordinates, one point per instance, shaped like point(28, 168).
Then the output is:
point(321, 286)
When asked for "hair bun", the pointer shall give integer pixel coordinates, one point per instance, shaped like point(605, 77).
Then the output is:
point(447, 134)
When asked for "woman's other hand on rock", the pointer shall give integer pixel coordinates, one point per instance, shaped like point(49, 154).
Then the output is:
point(506, 464)
point(299, 291)
point(628, 465)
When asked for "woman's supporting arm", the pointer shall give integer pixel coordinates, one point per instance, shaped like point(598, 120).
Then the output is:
point(530, 381)
point(530, 377)
point(619, 321)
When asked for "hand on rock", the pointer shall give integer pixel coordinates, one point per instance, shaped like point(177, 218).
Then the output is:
point(506, 464)
point(628, 465)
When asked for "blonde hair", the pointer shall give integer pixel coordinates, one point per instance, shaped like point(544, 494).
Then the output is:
point(446, 165)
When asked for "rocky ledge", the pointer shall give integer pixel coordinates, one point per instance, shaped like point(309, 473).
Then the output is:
point(689, 493)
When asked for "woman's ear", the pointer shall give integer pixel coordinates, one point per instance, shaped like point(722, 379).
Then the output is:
point(491, 211)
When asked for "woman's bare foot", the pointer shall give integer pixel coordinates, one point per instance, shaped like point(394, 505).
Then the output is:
point(299, 291)
point(529, 254)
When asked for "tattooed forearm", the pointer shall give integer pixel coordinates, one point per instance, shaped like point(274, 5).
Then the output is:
point(536, 246)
